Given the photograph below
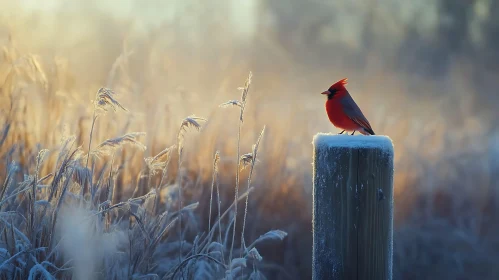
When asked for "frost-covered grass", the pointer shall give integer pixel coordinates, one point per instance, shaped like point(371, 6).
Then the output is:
point(68, 222)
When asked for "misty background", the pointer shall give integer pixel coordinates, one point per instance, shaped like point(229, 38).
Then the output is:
point(424, 73)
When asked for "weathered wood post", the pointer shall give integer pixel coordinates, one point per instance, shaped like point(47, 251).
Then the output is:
point(353, 207)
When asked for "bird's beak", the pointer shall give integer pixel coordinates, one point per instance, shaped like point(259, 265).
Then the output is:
point(326, 92)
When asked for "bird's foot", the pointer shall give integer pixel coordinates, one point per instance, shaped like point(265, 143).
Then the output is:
point(341, 132)
point(353, 132)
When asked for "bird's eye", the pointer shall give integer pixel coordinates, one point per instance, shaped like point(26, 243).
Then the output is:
point(332, 91)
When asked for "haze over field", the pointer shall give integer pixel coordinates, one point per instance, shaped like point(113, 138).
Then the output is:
point(423, 72)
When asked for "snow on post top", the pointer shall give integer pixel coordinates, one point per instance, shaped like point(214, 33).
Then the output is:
point(354, 141)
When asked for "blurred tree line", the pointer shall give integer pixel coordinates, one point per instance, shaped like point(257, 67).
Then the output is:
point(428, 38)
point(424, 40)
point(432, 33)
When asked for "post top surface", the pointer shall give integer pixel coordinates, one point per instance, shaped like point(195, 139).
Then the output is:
point(354, 141)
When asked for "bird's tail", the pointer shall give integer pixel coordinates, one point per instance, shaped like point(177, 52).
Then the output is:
point(367, 131)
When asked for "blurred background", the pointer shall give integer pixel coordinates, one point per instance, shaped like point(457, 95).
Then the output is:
point(424, 72)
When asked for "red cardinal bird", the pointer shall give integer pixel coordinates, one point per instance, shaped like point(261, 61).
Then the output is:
point(343, 112)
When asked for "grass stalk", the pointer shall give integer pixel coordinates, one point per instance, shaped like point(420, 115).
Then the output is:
point(253, 162)
point(94, 118)
point(213, 181)
point(242, 106)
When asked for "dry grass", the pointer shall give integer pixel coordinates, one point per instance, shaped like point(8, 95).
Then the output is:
point(76, 227)
point(140, 210)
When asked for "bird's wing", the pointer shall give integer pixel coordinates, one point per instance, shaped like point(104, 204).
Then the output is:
point(353, 111)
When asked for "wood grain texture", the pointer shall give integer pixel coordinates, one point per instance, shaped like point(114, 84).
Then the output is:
point(353, 213)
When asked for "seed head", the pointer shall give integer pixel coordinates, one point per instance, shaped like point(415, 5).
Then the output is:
point(110, 145)
point(105, 99)
point(246, 160)
point(159, 161)
point(232, 103)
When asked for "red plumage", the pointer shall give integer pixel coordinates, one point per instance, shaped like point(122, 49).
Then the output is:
point(340, 84)
point(343, 112)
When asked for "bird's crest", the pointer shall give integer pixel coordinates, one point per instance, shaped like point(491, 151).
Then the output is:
point(339, 84)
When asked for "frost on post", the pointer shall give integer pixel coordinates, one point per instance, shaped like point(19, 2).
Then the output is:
point(353, 207)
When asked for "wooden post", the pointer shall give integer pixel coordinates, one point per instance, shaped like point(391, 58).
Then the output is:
point(353, 207)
